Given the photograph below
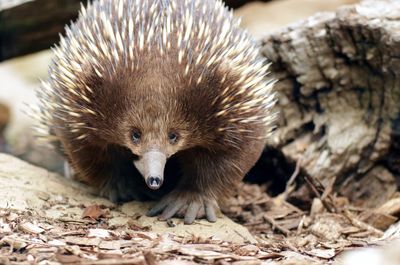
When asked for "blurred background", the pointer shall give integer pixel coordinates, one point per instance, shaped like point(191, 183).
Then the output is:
point(28, 28)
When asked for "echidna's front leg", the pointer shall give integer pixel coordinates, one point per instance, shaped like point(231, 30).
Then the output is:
point(109, 169)
point(208, 178)
point(121, 186)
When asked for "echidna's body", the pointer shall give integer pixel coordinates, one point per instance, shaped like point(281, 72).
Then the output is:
point(142, 80)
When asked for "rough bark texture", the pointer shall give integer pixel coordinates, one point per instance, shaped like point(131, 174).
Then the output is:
point(339, 96)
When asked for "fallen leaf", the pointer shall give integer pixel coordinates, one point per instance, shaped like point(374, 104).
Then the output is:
point(15, 243)
point(150, 258)
point(101, 233)
point(112, 254)
point(111, 245)
point(67, 258)
point(248, 250)
point(31, 228)
point(93, 212)
point(56, 243)
point(82, 241)
point(322, 253)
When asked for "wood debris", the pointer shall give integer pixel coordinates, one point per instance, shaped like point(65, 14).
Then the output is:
point(31, 228)
point(94, 212)
point(285, 233)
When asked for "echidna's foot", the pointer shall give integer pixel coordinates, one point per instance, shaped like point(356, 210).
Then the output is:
point(120, 189)
point(189, 205)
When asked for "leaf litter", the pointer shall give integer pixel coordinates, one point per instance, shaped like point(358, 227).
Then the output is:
point(286, 233)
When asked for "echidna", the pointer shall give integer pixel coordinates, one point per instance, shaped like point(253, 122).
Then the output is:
point(136, 82)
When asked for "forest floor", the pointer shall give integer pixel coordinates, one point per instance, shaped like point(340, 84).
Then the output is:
point(53, 228)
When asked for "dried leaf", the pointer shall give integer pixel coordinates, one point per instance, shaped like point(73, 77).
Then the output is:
point(205, 254)
point(112, 254)
point(81, 241)
point(145, 235)
point(101, 233)
point(15, 243)
point(176, 262)
point(67, 258)
point(391, 207)
point(56, 243)
point(150, 258)
point(248, 250)
point(322, 253)
point(93, 212)
point(111, 245)
point(379, 220)
point(31, 228)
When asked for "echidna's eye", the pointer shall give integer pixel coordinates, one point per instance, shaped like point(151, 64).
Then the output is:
point(136, 134)
point(173, 137)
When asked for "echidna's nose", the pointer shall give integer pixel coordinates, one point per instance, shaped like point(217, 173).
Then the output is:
point(154, 182)
point(151, 165)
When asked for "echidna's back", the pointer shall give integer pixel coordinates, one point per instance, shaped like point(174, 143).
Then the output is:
point(194, 45)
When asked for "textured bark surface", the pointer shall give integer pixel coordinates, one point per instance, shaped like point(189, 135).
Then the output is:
point(339, 96)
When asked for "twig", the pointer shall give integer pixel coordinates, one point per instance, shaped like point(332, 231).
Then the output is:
point(327, 194)
point(354, 221)
point(76, 221)
point(301, 225)
point(319, 191)
point(289, 185)
point(311, 183)
point(276, 226)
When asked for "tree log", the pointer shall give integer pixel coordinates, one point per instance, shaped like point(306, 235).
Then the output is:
point(34, 25)
point(339, 96)
point(30, 26)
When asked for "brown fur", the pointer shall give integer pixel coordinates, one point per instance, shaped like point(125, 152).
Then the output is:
point(95, 108)
point(213, 163)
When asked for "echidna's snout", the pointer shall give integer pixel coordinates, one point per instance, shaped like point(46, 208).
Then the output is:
point(154, 182)
point(151, 165)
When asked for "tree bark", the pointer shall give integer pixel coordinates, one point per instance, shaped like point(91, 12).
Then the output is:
point(339, 96)
point(34, 25)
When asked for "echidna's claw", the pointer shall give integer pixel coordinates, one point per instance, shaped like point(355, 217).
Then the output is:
point(188, 205)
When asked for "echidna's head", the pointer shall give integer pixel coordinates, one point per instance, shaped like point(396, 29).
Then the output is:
point(155, 137)
point(152, 123)
point(154, 143)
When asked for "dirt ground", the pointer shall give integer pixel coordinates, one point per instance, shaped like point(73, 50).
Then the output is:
point(47, 219)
